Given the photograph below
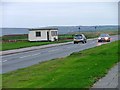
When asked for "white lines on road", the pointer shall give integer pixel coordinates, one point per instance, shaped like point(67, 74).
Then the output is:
point(53, 50)
point(36, 54)
point(3, 60)
point(30, 55)
point(25, 56)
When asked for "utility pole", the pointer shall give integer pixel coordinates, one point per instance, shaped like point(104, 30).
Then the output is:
point(95, 27)
point(79, 30)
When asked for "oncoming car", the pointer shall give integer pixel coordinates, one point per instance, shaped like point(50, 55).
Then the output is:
point(80, 38)
point(104, 38)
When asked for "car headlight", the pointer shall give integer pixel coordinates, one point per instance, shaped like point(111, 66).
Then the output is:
point(99, 38)
point(106, 38)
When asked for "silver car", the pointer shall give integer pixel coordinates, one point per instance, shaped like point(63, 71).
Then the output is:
point(80, 38)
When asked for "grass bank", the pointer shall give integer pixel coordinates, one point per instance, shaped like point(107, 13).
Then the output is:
point(21, 40)
point(23, 44)
point(79, 70)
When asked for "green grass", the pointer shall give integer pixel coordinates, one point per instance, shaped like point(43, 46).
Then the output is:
point(15, 37)
point(79, 70)
point(0, 81)
point(23, 44)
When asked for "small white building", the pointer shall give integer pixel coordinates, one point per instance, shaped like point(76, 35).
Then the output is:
point(43, 34)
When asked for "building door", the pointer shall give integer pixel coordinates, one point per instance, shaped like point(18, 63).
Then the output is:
point(47, 35)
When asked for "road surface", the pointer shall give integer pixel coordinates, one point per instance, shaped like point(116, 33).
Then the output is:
point(24, 59)
point(110, 80)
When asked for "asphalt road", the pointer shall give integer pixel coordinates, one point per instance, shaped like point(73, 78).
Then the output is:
point(24, 59)
point(110, 80)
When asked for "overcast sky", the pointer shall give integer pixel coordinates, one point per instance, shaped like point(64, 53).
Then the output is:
point(36, 14)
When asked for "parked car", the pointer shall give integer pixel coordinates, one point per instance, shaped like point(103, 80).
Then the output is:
point(80, 38)
point(104, 38)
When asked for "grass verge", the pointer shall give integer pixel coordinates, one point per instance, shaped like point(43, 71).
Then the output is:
point(23, 44)
point(79, 70)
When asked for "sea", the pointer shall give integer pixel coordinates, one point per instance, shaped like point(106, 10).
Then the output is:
point(61, 29)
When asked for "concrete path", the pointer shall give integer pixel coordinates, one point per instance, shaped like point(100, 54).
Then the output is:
point(110, 80)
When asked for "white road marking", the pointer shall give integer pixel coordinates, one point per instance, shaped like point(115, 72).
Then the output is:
point(18, 54)
point(30, 55)
point(3, 60)
point(35, 54)
point(53, 50)
point(25, 56)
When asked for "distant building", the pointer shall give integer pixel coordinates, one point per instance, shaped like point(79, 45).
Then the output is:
point(43, 34)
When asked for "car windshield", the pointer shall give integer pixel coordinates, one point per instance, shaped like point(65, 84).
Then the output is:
point(104, 35)
point(78, 36)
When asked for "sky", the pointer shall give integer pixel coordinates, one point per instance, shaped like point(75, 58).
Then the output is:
point(41, 13)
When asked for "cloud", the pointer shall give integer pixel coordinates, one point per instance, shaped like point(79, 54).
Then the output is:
point(60, 0)
point(44, 14)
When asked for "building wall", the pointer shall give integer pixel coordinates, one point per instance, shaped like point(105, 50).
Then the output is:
point(32, 35)
point(52, 37)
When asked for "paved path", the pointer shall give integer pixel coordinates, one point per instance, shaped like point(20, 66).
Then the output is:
point(110, 80)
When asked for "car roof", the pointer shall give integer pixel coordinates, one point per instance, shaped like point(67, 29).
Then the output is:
point(104, 34)
point(79, 34)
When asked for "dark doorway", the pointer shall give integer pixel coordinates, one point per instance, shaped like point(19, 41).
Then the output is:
point(48, 36)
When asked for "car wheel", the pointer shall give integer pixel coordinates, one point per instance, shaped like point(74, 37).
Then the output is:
point(83, 42)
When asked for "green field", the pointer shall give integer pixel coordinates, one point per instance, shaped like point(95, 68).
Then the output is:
point(79, 70)
point(15, 37)
point(88, 34)
point(20, 41)
point(23, 44)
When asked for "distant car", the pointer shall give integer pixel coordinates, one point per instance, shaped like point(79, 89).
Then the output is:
point(104, 38)
point(80, 38)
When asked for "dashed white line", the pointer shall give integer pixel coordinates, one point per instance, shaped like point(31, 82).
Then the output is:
point(53, 50)
point(36, 54)
point(30, 55)
point(3, 60)
point(25, 56)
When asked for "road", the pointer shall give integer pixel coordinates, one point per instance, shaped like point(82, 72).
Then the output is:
point(24, 59)
point(110, 80)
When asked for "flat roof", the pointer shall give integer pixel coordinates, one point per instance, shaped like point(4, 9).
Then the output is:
point(32, 29)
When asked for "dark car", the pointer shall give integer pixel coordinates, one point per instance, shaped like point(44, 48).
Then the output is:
point(104, 38)
point(80, 38)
